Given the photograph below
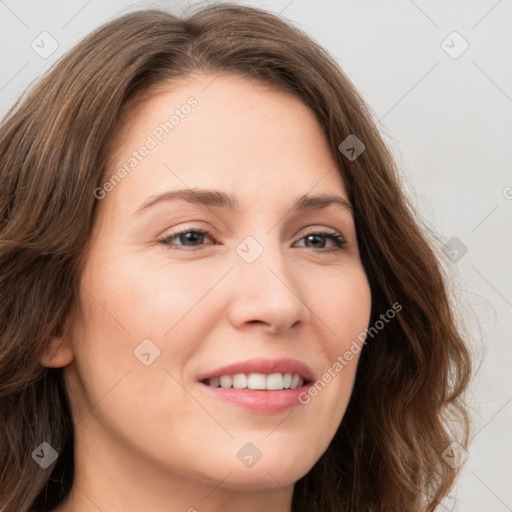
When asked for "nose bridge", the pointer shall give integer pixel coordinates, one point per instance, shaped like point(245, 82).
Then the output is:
point(266, 288)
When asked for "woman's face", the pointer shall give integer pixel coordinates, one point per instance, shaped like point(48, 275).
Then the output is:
point(260, 286)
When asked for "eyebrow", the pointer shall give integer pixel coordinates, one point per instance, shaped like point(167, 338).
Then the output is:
point(216, 198)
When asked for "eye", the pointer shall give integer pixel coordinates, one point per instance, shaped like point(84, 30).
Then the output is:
point(317, 237)
point(188, 237)
point(194, 238)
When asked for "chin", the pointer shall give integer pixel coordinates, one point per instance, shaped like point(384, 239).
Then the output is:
point(258, 479)
point(273, 472)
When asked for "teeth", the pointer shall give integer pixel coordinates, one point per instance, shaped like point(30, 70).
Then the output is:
point(226, 381)
point(256, 381)
point(239, 381)
point(271, 382)
point(215, 382)
point(275, 381)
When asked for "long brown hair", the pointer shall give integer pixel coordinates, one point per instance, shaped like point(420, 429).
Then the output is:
point(54, 145)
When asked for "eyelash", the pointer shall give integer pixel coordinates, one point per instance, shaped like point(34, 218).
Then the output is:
point(328, 233)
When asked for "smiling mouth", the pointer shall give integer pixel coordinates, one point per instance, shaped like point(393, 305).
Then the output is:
point(257, 381)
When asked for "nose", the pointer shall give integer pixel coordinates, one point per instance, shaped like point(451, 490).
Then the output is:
point(267, 293)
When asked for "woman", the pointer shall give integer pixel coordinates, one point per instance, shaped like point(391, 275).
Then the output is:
point(215, 295)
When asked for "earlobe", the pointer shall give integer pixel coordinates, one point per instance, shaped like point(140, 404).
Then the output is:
point(59, 353)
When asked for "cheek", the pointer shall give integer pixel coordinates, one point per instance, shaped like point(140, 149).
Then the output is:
point(344, 308)
point(126, 305)
point(145, 300)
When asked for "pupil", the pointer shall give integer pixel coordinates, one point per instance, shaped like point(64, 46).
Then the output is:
point(191, 236)
point(317, 237)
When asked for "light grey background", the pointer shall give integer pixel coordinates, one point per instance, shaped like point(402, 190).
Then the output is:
point(448, 121)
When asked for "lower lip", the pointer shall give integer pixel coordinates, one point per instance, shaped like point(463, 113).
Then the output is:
point(267, 402)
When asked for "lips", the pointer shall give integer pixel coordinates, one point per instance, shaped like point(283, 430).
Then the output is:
point(265, 366)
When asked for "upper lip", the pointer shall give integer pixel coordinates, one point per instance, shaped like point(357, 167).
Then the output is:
point(266, 366)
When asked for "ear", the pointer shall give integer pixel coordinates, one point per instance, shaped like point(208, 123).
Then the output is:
point(58, 353)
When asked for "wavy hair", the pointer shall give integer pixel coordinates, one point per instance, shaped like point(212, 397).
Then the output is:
point(386, 455)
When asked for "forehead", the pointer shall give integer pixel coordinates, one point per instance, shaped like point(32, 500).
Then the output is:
point(223, 132)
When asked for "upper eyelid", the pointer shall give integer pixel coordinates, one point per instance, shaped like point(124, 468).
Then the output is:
point(214, 232)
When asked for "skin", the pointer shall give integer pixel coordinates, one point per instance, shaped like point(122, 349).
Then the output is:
point(149, 437)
